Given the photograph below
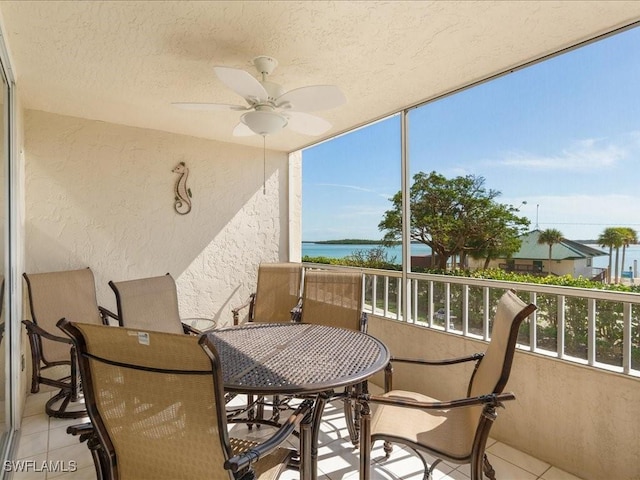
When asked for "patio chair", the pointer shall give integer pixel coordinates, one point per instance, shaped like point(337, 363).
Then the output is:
point(334, 298)
point(150, 304)
point(155, 401)
point(277, 294)
point(54, 295)
point(454, 430)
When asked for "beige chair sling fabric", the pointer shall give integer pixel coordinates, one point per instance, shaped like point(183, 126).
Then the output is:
point(149, 304)
point(451, 432)
point(277, 292)
point(67, 294)
point(165, 418)
point(332, 298)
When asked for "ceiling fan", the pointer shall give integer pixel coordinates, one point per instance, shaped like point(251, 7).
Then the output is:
point(269, 108)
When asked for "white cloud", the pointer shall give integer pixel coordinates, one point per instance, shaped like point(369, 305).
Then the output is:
point(585, 154)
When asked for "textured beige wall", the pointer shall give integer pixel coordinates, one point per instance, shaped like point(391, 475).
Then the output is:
point(580, 419)
point(102, 195)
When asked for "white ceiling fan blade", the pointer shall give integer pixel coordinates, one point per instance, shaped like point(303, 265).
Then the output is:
point(313, 98)
point(241, 82)
point(241, 130)
point(208, 106)
point(307, 124)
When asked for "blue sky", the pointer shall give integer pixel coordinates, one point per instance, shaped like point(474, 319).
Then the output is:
point(563, 134)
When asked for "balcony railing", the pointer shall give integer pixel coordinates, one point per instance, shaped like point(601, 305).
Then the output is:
point(592, 327)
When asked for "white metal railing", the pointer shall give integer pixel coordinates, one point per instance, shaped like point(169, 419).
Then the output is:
point(599, 328)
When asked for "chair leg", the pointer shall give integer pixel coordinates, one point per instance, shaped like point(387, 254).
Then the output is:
point(64, 396)
point(488, 469)
point(388, 448)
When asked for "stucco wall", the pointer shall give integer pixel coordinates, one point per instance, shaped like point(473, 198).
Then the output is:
point(102, 195)
point(580, 419)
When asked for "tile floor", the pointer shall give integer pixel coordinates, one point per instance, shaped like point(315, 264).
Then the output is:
point(44, 439)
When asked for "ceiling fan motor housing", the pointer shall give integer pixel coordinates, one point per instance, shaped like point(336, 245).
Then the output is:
point(265, 65)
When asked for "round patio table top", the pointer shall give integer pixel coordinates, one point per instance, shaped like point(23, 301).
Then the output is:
point(295, 358)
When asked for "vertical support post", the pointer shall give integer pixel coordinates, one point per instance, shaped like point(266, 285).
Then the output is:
point(561, 325)
point(386, 295)
point(430, 304)
point(406, 216)
point(414, 297)
point(400, 310)
point(465, 310)
point(374, 294)
point(533, 326)
point(486, 313)
point(447, 306)
point(626, 339)
point(591, 331)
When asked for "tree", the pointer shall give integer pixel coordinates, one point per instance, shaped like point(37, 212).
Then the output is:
point(550, 236)
point(497, 238)
point(629, 237)
point(457, 216)
point(610, 237)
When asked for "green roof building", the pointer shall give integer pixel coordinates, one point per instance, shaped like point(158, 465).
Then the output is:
point(567, 258)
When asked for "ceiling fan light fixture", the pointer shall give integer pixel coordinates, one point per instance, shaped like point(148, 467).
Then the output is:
point(264, 123)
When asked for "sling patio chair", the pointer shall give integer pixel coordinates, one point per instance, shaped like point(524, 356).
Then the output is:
point(155, 401)
point(277, 294)
point(334, 298)
point(150, 304)
point(453, 430)
point(54, 295)
point(276, 300)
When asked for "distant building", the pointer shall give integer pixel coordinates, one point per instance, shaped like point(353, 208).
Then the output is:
point(567, 258)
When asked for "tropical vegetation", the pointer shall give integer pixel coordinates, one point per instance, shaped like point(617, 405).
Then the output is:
point(616, 238)
point(456, 217)
point(550, 237)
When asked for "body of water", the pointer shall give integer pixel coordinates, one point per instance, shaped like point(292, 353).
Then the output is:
point(340, 251)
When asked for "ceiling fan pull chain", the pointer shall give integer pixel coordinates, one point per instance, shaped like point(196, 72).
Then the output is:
point(264, 164)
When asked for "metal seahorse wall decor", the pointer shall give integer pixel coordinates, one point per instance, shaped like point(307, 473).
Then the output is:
point(183, 195)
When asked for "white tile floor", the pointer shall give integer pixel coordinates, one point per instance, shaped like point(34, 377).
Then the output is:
point(44, 439)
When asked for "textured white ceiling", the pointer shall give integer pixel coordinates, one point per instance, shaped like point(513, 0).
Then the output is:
point(125, 62)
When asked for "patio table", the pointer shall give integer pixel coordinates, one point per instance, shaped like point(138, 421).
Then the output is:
point(297, 359)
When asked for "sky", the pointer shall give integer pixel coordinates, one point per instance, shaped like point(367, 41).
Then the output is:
point(562, 135)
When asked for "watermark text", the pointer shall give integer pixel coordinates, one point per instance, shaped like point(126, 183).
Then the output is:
point(59, 466)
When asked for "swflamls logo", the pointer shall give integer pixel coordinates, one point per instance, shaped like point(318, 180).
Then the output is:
point(59, 466)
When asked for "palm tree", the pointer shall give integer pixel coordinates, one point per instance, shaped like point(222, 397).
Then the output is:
point(610, 237)
point(550, 236)
point(629, 237)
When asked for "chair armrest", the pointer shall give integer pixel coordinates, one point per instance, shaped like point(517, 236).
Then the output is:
point(448, 361)
point(251, 456)
point(388, 371)
point(248, 303)
point(106, 314)
point(80, 429)
point(33, 329)
point(493, 400)
point(84, 430)
point(189, 330)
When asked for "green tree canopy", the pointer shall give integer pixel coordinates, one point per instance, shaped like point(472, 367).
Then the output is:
point(457, 216)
